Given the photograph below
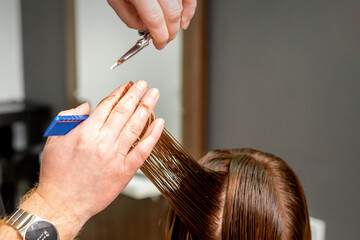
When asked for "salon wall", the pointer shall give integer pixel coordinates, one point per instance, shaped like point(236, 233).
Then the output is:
point(43, 33)
point(11, 62)
point(32, 43)
point(284, 78)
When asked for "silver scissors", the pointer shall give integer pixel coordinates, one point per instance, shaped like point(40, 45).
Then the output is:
point(140, 44)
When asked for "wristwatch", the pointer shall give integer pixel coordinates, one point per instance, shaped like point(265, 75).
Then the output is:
point(32, 227)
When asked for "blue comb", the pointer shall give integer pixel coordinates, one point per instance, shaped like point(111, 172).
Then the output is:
point(61, 125)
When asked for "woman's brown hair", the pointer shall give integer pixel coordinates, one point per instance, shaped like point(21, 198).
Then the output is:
point(262, 198)
point(227, 194)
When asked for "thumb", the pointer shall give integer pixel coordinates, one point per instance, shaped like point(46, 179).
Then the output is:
point(83, 109)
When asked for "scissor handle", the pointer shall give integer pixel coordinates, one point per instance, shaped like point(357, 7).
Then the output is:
point(142, 33)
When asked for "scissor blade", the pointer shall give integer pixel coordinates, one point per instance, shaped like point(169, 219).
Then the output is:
point(135, 49)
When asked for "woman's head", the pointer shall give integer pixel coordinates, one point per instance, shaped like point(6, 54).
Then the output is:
point(261, 198)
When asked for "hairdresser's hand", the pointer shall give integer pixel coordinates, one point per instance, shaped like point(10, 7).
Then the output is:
point(85, 170)
point(163, 18)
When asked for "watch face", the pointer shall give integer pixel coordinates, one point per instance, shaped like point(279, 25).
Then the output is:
point(41, 230)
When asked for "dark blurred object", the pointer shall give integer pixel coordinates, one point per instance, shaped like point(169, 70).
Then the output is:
point(35, 116)
point(2, 208)
point(20, 162)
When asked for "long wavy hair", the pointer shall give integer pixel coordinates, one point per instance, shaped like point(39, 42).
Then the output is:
point(262, 198)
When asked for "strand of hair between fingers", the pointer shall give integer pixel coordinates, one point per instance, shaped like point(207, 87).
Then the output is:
point(150, 120)
point(152, 117)
point(122, 154)
point(126, 89)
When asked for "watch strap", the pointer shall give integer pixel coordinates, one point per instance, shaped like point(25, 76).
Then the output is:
point(20, 219)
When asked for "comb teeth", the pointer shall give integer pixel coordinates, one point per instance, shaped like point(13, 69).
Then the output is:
point(61, 125)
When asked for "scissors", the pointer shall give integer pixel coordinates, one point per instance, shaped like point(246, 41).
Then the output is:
point(140, 44)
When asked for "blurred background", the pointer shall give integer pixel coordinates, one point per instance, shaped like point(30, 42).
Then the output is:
point(278, 76)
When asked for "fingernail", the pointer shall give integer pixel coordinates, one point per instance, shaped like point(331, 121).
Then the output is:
point(154, 93)
point(81, 106)
point(160, 123)
point(141, 85)
point(186, 25)
point(163, 45)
